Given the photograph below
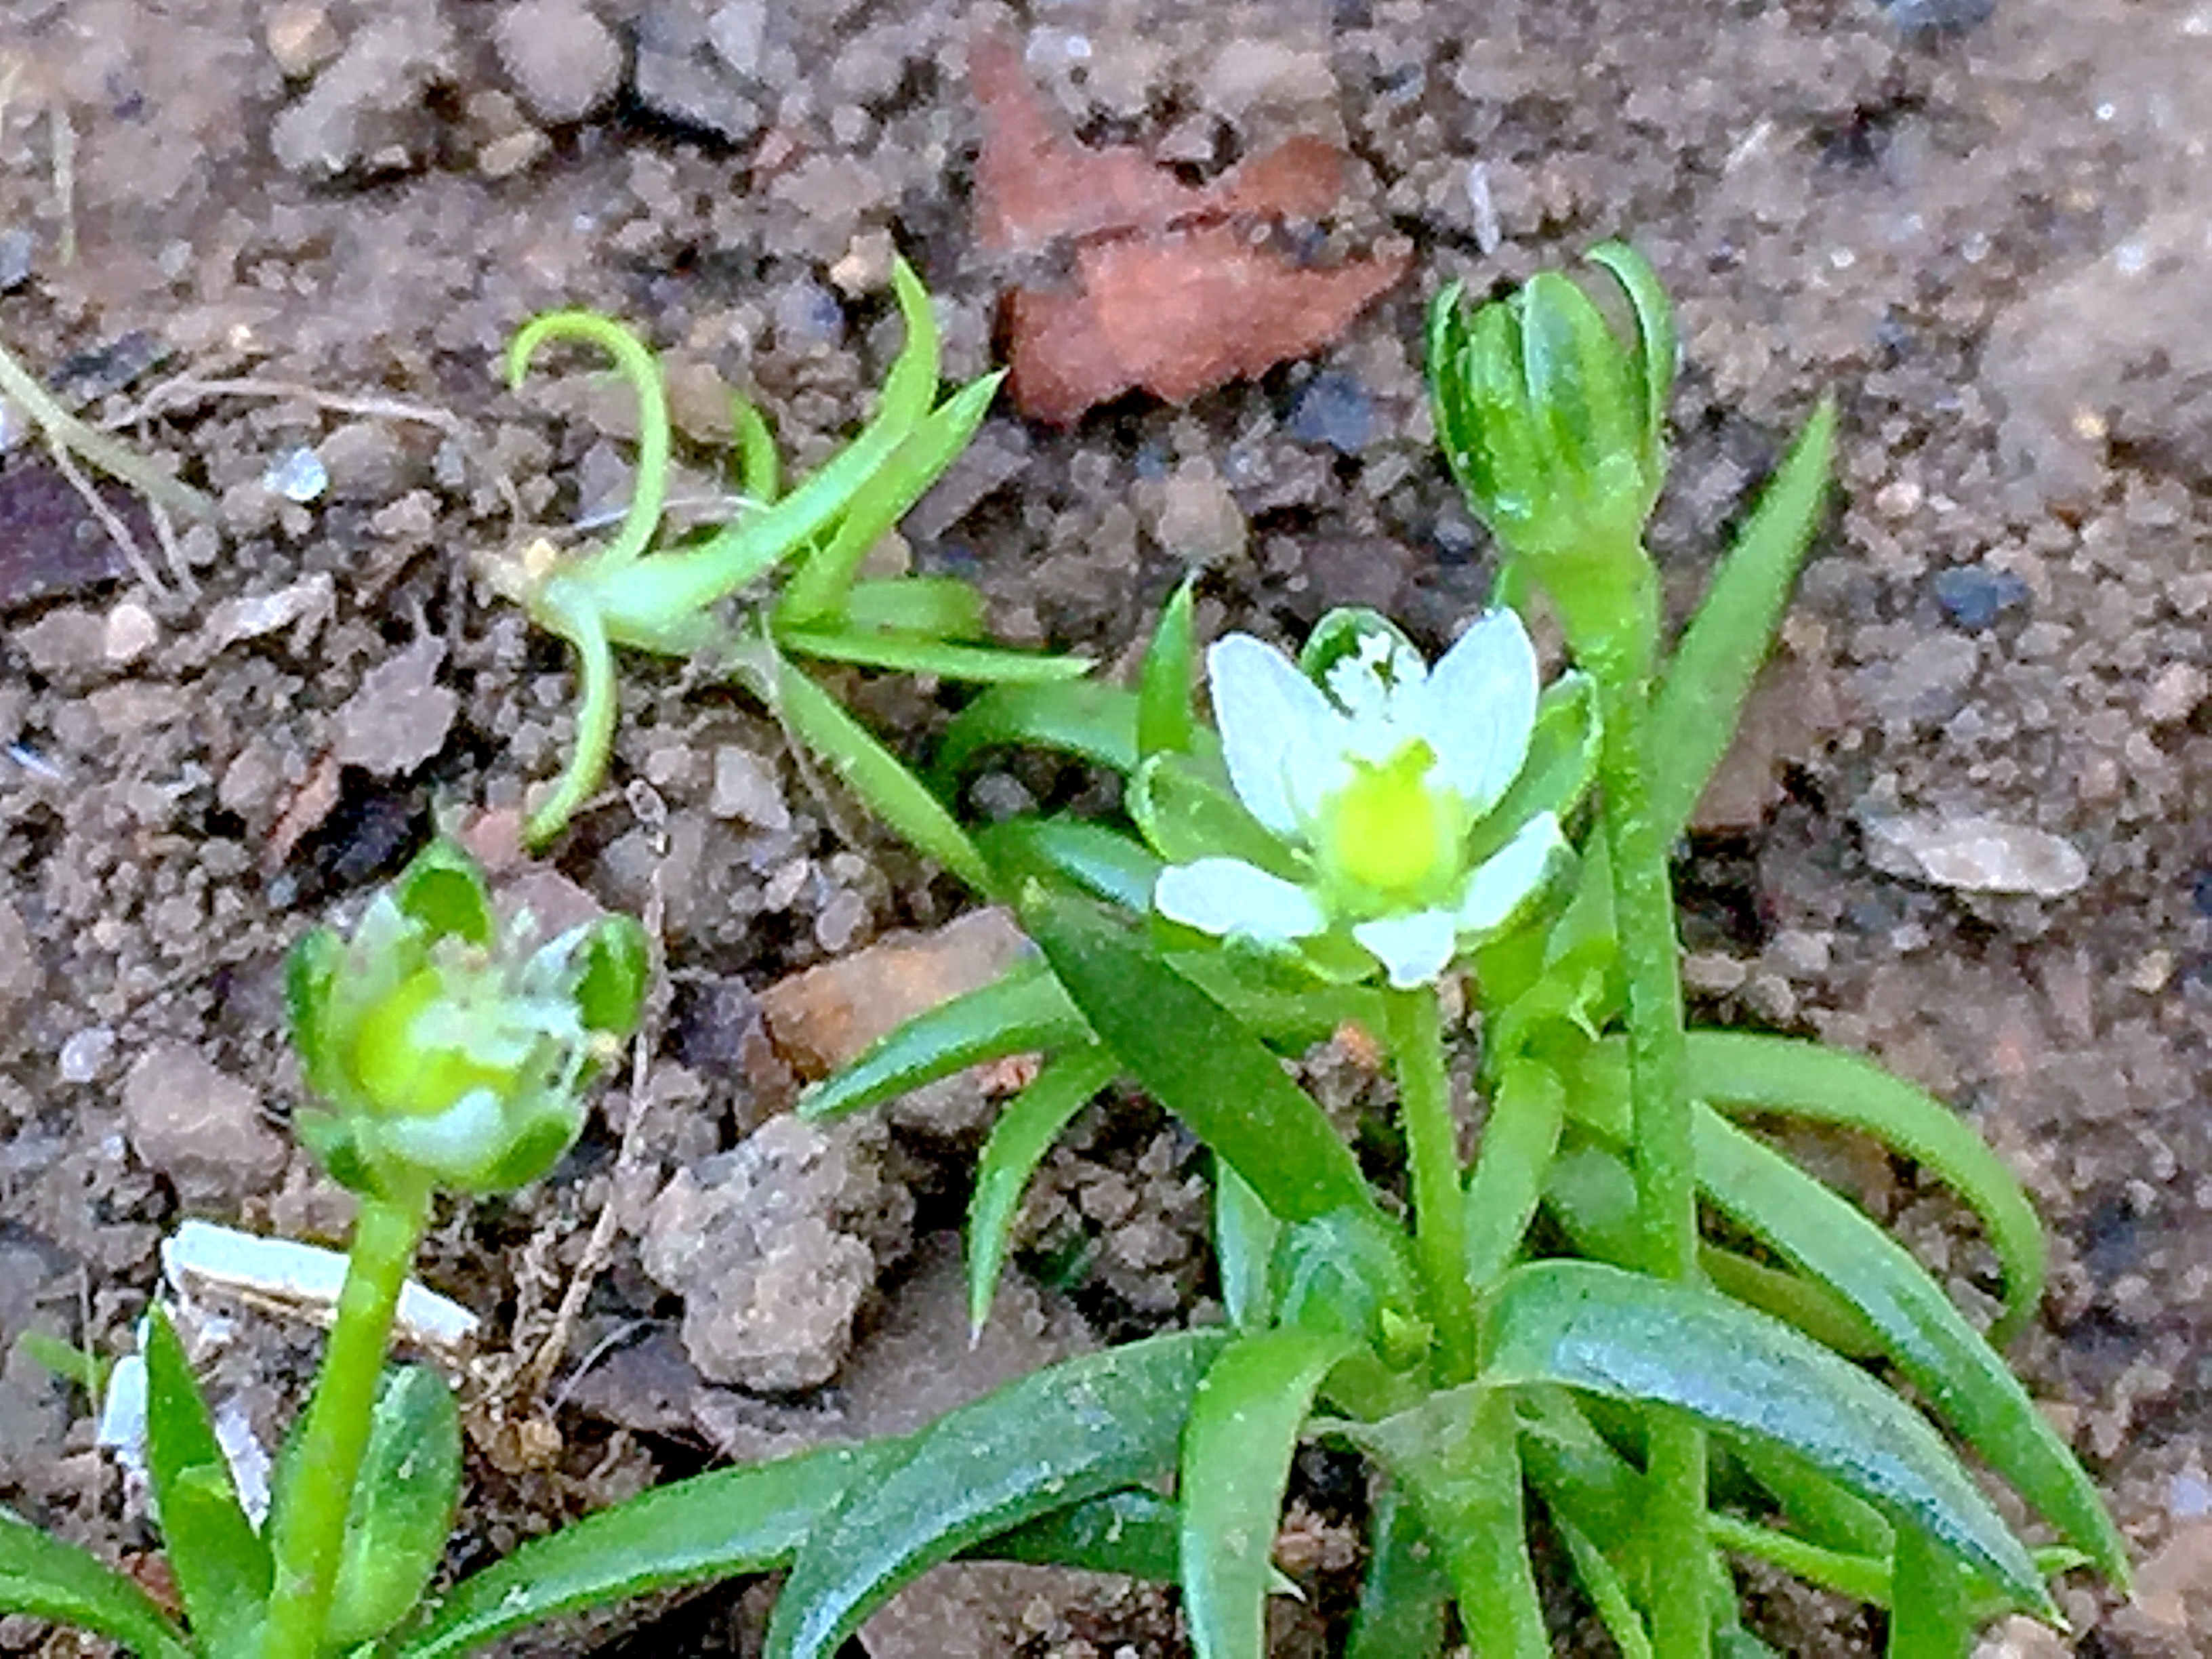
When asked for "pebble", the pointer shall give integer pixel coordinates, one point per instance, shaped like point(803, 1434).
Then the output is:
point(365, 461)
point(366, 108)
point(1198, 519)
point(2022, 1638)
point(826, 1016)
point(301, 39)
point(763, 1245)
point(399, 715)
point(298, 475)
point(197, 1125)
point(2175, 694)
point(745, 787)
point(565, 62)
point(738, 32)
point(21, 974)
point(1974, 597)
point(2173, 1588)
point(85, 1053)
point(682, 75)
point(17, 249)
point(1332, 409)
point(132, 632)
point(1972, 855)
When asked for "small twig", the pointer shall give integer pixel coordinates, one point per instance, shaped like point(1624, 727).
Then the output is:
point(64, 130)
point(599, 1248)
point(63, 431)
point(110, 520)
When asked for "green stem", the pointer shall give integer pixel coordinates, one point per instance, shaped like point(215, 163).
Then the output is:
point(1415, 1033)
point(309, 1532)
point(1665, 1177)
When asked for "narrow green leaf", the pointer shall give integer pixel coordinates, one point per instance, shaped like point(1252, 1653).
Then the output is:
point(1165, 721)
point(1608, 1594)
point(1930, 1615)
point(1629, 1337)
point(1087, 719)
point(635, 362)
point(43, 1578)
point(1814, 1505)
point(1862, 1578)
point(943, 607)
point(878, 777)
point(1244, 1238)
point(1025, 1132)
point(1742, 1070)
point(1700, 704)
point(404, 1503)
point(1021, 1012)
point(1405, 1595)
point(1098, 860)
point(1083, 1427)
point(817, 587)
point(1236, 1453)
point(759, 472)
point(1921, 1330)
point(1194, 1058)
point(907, 654)
point(220, 1562)
point(712, 1526)
point(1457, 1455)
point(1134, 1532)
point(1510, 1166)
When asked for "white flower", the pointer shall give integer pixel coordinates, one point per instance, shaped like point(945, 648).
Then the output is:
point(1374, 786)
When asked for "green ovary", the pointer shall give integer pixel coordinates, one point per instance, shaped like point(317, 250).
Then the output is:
point(1388, 832)
point(400, 1072)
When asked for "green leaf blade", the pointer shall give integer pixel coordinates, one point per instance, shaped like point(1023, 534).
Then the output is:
point(1236, 1454)
point(43, 1578)
point(404, 1503)
point(1017, 1143)
point(1087, 1427)
point(222, 1564)
point(1193, 1057)
point(1629, 1337)
point(710, 1527)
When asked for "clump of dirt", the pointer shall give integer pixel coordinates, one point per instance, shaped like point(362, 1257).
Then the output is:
point(282, 247)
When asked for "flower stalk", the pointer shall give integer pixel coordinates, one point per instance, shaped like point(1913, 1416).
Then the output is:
point(1415, 1036)
point(308, 1532)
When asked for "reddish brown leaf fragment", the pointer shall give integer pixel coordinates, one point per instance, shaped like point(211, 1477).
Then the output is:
point(1033, 187)
point(1177, 316)
point(1300, 178)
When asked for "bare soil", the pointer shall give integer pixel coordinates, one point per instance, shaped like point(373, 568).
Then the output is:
point(266, 241)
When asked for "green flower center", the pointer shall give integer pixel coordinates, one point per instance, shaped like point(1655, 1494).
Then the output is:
point(402, 1072)
point(1389, 832)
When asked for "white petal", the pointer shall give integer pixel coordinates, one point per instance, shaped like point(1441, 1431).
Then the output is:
point(1224, 896)
point(1281, 737)
point(1415, 949)
point(1478, 708)
point(1506, 879)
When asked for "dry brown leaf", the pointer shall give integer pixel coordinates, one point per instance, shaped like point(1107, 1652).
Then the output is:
point(1172, 292)
point(1177, 316)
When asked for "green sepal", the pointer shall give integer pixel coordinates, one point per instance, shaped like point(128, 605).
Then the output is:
point(614, 961)
point(403, 1503)
point(1166, 723)
point(312, 967)
point(1187, 814)
point(443, 890)
point(1343, 632)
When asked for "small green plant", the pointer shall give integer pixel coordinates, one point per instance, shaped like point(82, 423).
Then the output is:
point(677, 601)
point(1555, 1320)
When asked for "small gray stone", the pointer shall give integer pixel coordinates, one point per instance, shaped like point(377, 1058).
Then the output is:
point(682, 75)
point(769, 1246)
point(745, 787)
point(739, 33)
point(565, 62)
point(20, 973)
point(197, 1125)
point(17, 246)
point(1972, 855)
point(1198, 519)
point(367, 110)
point(399, 715)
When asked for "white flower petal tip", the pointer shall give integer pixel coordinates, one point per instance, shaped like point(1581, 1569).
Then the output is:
point(1228, 898)
point(1412, 949)
point(1478, 708)
point(1279, 735)
point(1511, 876)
